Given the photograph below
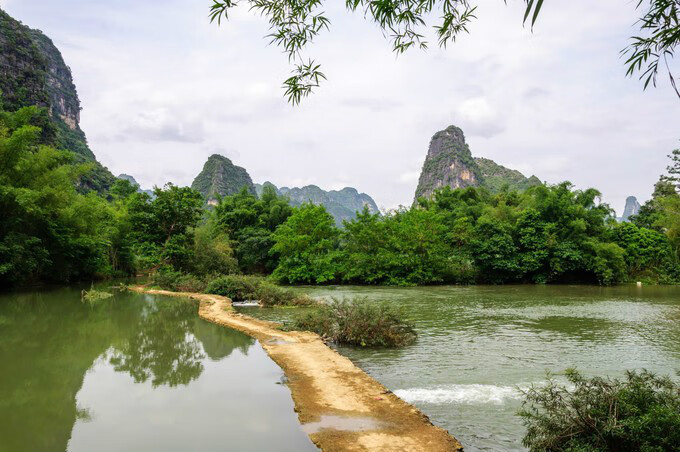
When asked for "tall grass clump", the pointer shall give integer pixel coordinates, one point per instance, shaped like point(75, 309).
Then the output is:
point(246, 288)
point(638, 413)
point(92, 296)
point(358, 322)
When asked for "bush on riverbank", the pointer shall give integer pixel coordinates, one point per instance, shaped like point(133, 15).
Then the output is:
point(358, 322)
point(245, 288)
point(167, 278)
point(236, 287)
point(639, 413)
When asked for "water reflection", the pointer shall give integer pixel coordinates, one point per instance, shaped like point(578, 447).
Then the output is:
point(132, 353)
point(162, 347)
point(218, 345)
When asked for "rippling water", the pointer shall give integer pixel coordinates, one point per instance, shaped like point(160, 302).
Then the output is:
point(479, 346)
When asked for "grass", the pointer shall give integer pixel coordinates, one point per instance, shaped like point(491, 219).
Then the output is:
point(358, 322)
point(92, 295)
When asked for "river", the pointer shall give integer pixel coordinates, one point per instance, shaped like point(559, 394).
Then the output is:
point(478, 346)
point(142, 372)
point(135, 373)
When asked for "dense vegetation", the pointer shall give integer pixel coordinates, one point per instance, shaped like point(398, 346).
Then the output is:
point(544, 235)
point(640, 413)
point(236, 287)
point(51, 231)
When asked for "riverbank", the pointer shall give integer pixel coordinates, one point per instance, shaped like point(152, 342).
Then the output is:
point(340, 406)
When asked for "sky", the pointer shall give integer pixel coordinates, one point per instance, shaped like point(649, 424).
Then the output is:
point(162, 89)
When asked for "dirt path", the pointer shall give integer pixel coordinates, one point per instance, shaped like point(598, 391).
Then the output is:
point(339, 405)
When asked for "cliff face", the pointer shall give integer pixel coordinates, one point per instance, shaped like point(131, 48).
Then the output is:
point(33, 72)
point(220, 177)
point(632, 208)
point(343, 204)
point(449, 162)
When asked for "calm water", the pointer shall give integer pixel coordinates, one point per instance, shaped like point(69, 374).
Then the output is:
point(477, 345)
point(135, 373)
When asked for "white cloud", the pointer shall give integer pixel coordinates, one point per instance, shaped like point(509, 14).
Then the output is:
point(477, 117)
point(409, 177)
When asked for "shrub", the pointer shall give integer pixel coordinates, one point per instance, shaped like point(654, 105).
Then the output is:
point(272, 295)
point(236, 287)
point(189, 283)
point(92, 296)
point(165, 277)
point(358, 322)
point(640, 413)
point(242, 288)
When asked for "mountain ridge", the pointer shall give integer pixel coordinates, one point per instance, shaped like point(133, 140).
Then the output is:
point(342, 204)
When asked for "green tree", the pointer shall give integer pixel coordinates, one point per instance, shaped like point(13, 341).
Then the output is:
point(404, 247)
point(648, 252)
point(162, 227)
point(48, 231)
point(250, 222)
point(212, 251)
point(662, 212)
point(673, 170)
point(495, 252)
point(307, 245)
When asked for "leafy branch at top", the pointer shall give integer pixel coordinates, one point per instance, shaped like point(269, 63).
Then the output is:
point(294, 24)
point(661, 27)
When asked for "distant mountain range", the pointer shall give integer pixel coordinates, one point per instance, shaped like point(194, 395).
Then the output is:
point(449, 162)
point(342, 204)
point(220, 177)
point(33, 72)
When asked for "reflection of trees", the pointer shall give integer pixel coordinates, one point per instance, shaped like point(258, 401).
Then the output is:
point(48, 340)
point(163, 348)
point(218, 342)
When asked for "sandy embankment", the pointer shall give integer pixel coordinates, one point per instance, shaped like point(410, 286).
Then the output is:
point(339, 405)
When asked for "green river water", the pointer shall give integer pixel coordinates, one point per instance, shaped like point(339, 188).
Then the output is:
point(135, 373)
point(477, 345)
point(144, 373)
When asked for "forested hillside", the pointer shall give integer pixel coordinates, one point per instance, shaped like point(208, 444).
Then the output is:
point(33, 73)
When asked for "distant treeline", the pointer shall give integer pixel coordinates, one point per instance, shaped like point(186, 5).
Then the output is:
point(53, 230)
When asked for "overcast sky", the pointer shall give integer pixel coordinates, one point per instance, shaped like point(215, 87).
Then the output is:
point(162, 89)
